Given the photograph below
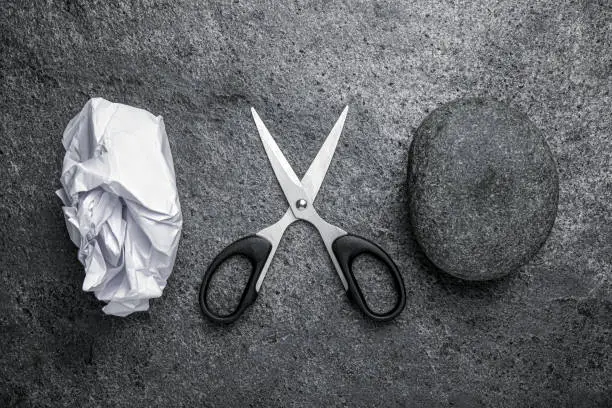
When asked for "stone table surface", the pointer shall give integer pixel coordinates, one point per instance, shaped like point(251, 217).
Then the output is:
point(540, 337)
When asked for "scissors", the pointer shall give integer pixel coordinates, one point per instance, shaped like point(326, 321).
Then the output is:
point(343, 248)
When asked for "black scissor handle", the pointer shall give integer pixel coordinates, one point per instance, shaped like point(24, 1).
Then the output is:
point(256, 249)
point(347, 248)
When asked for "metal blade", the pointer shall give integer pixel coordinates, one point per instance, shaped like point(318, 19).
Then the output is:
point(318, 168)
point(288, 180)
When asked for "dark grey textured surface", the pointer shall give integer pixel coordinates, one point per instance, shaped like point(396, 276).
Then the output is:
point(483, 188)
point(540, 337)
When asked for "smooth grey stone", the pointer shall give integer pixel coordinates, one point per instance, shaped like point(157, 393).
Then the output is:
point(483, 188)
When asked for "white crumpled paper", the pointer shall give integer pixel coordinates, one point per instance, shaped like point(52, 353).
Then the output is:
point(120, 203)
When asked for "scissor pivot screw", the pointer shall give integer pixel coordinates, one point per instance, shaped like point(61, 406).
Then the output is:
point(301, 204)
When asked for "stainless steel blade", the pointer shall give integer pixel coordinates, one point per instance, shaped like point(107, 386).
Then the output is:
point(315, 174)
point(288, 180)
point(273, 234)
point(298, 196)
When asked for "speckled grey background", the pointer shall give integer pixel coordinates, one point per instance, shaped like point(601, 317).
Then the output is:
point(540, 337)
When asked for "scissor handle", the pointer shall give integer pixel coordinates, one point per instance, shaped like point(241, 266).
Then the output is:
point(256, 249)
point(347, 248)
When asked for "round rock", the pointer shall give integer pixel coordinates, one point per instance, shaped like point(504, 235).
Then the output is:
point(483, 188)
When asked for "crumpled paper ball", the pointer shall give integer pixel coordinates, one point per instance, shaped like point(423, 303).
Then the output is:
point(121, 203)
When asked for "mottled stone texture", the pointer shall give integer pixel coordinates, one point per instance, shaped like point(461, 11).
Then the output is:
point(539, 337)
point(483, 188)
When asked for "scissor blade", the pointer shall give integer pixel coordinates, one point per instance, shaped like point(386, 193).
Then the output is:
point(318, 168)
point(288, 180)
